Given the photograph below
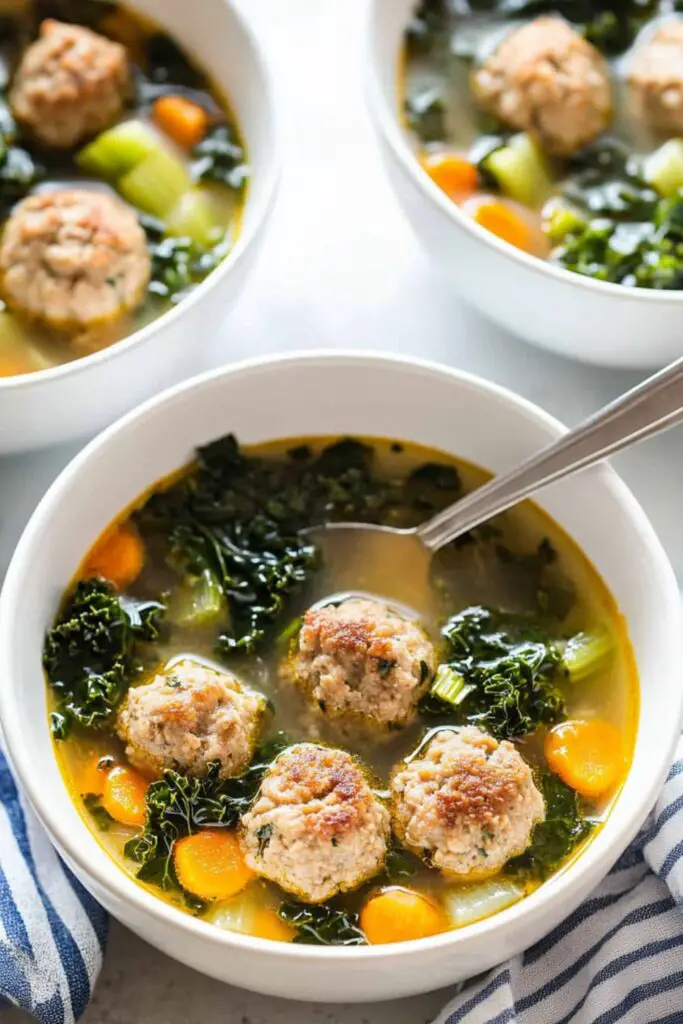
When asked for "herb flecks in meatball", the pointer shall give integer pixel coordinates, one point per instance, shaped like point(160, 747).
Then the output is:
point(363, 660)
point(655, 78)
point(466, 804)
point(188, 717)
point(546, 79)
point(73, 258)
point(71, 83)
point(316, 828)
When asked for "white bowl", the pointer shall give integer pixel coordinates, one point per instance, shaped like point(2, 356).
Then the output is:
point(79, 398)
point(333, 394)
point(573, 315)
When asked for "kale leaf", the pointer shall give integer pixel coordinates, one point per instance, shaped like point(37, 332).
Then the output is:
point(219, 157)
point(510, 672)
point(322, 925)
point(178, 263)
point(241, 520)
point(19, 172)
point(90, 654)
point(563, 828)
point(179, 806)
point(426, 114)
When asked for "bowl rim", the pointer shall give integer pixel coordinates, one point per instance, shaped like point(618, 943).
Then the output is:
point(387, 123)
point(270, 174)
point(594, 861)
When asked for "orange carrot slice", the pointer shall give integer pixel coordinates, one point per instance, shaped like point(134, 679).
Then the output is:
point(210, 864)
point(123, 796)
point(267, 925)
point(587, 755)
point(498, 218)
point(118, 557)
point(184, 121)
point(398, 915)
point(455, 175)
point(94, 775)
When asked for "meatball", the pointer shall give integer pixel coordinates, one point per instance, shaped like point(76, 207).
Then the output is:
point(315, 827)
point(466, 804)
point(655, 79)
point(363, 660)
point(73, 258)
point(546, 79)
point(71, 83)
point(189, 716)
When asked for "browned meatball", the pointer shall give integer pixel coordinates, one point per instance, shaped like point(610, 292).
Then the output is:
point(546, 79)
point(73, 258)
point(467, 804)
point(71, 83)
point(316, 827)
point(191, 716)
point(655, 78)
point(362, 660)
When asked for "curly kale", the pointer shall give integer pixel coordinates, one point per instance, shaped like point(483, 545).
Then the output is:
point(178, 264)
point(219, 157)
point(179, 806)
point(641, 254)
point(322, 925)
point(506, 672)
point(19, 172)
point(239, 520)
point(90, 654)
point(554, 838)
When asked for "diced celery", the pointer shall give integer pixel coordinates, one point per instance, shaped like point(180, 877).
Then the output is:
point(664, 168)
point(449, 686)
point(472, 903)
point(192, 217)
point(197, 602)
point(588, 653)
point(119, 149)
point(17, 353)
point(521, 170)
point(561, 222)
point(156, 184)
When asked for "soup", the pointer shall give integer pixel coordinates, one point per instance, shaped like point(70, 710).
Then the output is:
point(262, 744)
point(122, 179)
point(558, 126)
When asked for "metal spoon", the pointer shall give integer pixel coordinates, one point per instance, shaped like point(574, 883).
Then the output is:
point(651, 407)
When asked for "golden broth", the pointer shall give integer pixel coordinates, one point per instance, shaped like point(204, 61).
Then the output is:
point(472, 574)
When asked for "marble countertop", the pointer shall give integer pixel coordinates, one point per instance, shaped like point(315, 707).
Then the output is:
point(340, 268)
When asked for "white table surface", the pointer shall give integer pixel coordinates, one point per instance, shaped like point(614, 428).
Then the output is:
point(340, 269)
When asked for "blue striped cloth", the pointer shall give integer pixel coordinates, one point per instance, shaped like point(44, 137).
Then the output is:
point(619, 958)
point(52, 932)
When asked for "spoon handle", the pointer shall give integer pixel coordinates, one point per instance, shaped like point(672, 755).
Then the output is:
point(651, 407)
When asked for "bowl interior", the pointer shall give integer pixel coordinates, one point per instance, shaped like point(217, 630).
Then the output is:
point(330, 394)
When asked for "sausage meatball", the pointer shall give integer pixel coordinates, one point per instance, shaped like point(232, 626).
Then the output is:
point(189, 716)
point(71, 83)
point(362, 659)
point(73, 258)
point(466, 804)
point(546, 79)
point(315, 827)
point(655, 78)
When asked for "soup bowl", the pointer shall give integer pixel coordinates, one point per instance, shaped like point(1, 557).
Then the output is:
point(78, 398)
point(333, 394)
point(575, 316)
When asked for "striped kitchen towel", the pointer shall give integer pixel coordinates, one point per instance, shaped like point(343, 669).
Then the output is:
point(52, 932)
point(618, 959)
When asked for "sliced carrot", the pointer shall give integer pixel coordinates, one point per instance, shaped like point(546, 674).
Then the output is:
point(267, 925)
point(210, 864)
point(587, 755)
point(398, 915)
point(123, 796)
point(186, 122)
point(118, 557)
point(502, 221)
point(455, 175)
point(94, 775)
